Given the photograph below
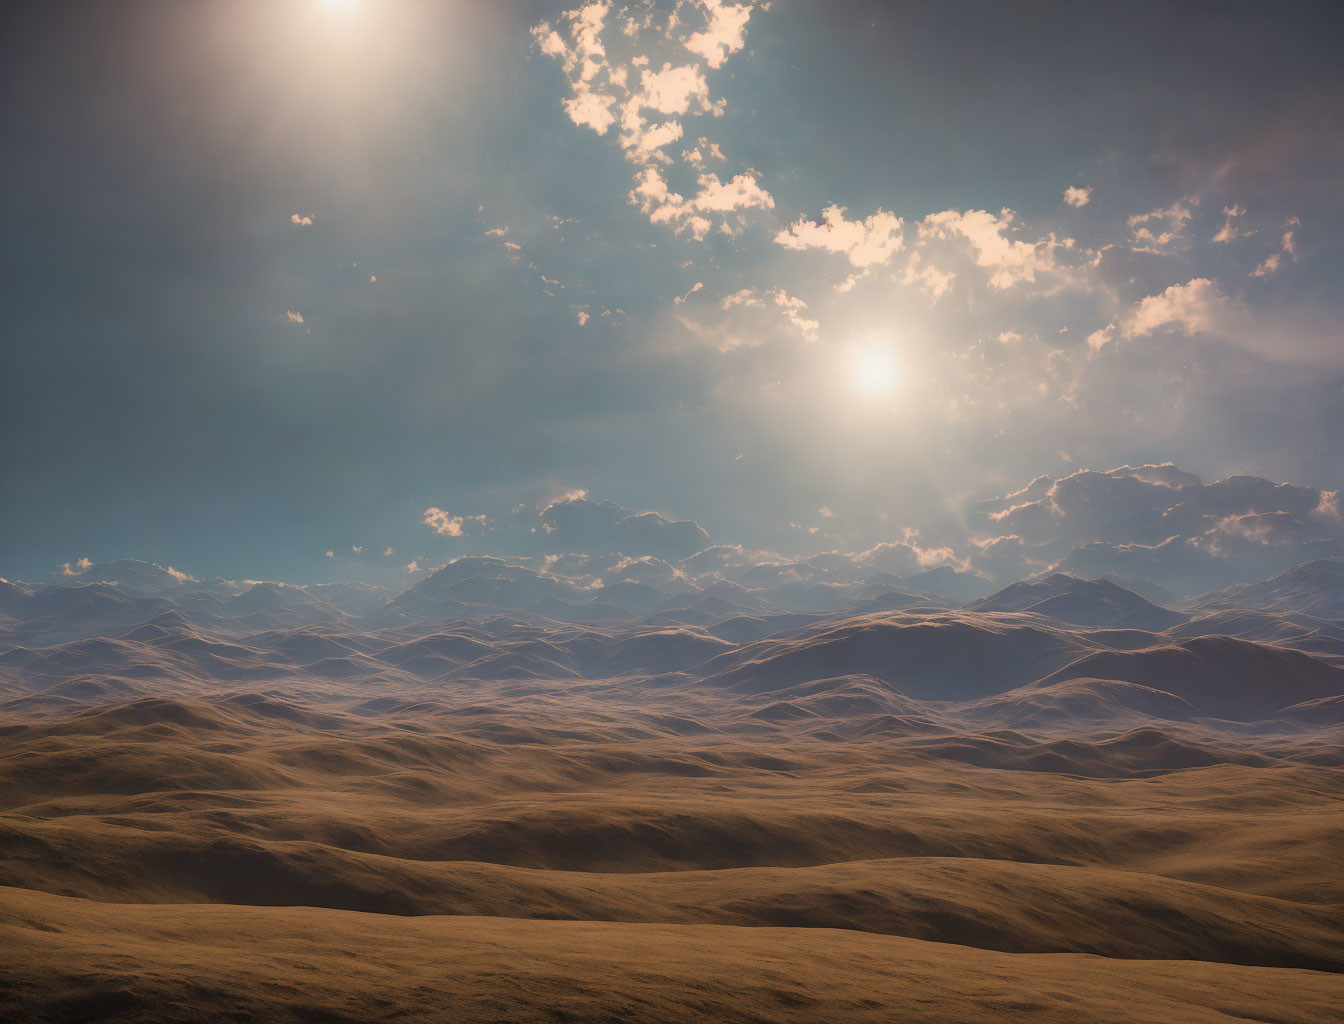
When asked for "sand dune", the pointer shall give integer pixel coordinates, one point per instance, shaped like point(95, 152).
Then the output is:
point(717, 810)
point(79, 960)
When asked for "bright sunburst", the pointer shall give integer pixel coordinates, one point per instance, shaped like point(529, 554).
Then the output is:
point(874, 372)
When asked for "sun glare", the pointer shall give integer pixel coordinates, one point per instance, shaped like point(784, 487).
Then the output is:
point(338, 6)
point(874, 373)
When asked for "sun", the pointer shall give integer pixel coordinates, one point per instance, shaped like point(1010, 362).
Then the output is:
point(874, 372)
point(338, 6)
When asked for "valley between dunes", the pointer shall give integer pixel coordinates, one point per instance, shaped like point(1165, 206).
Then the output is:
point(926, 814)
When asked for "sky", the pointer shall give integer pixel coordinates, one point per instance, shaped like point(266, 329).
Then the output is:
point(323, 289)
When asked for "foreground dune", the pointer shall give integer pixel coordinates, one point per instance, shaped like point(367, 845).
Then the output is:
point(75, 960)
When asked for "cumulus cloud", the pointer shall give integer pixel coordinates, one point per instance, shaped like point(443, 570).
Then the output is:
point(865, 243)
point(1077, 195)
point(649, 105)
point(663, 206)
point(1156, 522)
point(724, 34)
point(1197, 307)
point(1010, 260)
point(446, 524)
point(294, 316)
point(301, 221)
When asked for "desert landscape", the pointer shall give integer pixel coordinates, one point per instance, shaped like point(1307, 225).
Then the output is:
point(671, 512)
point(1059, 801)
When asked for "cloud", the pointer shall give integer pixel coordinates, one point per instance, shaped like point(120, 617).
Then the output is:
point(865, 243)
point(301, 221)
point(1229, 232)
point(447, 525)
point(442, 523)
point(1272, 262)
point(929, 279)
point(78, 567)
point(181, 577)
point(294, 316)
point(497, 232)
point(790, 306)
point(387, 551)
point(1161, 228)
point(1156, 521)
point(1010, 261)
point(724, 34)
point(330, 553)
point(583, 58)
point(1197, 307)
point(603, 93)
point(1076, 195)
point(573, 523)
point(582, 317)
point(693, 289)
point(663, 206)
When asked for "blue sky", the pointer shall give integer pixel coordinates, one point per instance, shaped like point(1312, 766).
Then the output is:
point(283, 276)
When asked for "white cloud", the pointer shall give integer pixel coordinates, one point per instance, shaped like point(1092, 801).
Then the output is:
point(603, 92)
point(1197, 307)
point(582, 317)
point(663, 206)
point(295, 317)
point(1076, 195)
point(867, 242)
point(724, 34)
point(1011, 261)
point(673, 90)
point(442, 523)
point(301, 221)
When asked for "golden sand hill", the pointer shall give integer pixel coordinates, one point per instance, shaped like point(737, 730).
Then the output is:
point(916, 815)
